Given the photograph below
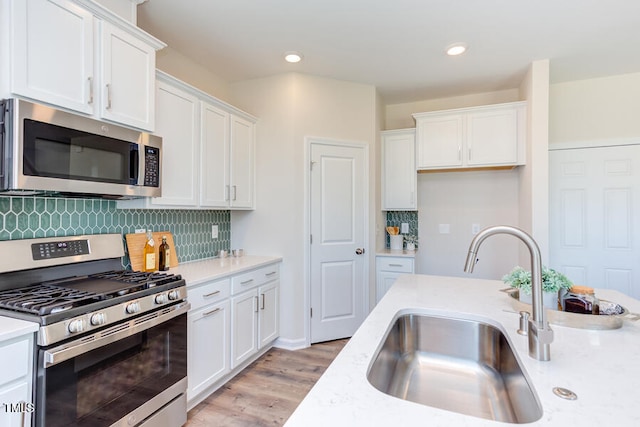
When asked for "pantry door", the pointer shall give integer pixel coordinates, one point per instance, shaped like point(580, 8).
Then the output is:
point(338, 224)
point(595, 216)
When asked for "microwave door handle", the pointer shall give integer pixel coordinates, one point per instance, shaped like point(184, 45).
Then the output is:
point(134, 164)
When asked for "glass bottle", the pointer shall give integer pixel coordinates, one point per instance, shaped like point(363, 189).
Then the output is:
point(581, 299)
point(164, 255)
point(149, 254)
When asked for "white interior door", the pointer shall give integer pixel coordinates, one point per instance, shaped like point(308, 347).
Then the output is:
point(338, 218)
point(595, 216)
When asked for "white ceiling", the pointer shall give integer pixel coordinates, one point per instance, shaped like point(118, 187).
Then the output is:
point(398, 45)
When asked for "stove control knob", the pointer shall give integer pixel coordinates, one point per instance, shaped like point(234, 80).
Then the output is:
point(98, 319)
point(76, 326)
point(133, 307)
point(161, 298)
point(174, 295)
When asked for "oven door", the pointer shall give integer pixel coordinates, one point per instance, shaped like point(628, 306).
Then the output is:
point(120, 376)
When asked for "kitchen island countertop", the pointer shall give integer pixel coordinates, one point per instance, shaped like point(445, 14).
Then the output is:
point(601, 367)
point(196, 272)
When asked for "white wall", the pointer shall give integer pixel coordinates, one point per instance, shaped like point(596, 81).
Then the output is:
point(173, 62)
point(398, 116)
point(595, 110)
point(126, 9)
point(291, 107)
point(461, 199)
point(534, 176)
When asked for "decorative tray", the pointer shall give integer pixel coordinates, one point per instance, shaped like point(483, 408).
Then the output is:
point(575, 320)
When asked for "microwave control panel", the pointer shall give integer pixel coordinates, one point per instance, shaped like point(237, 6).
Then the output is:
point(151, 167)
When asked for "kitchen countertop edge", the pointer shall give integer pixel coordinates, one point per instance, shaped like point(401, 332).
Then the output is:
point(206, 270)
point(11, 328)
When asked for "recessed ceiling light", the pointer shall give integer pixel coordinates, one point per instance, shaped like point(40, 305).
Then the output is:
point(292, 57)
point(456, 49)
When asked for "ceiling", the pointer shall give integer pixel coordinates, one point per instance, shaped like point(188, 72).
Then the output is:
point(398, 45)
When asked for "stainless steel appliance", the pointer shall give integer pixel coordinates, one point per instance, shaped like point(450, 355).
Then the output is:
point(52, 151)
point(112, 343)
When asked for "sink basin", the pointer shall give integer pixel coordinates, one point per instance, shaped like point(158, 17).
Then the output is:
point(459, 365)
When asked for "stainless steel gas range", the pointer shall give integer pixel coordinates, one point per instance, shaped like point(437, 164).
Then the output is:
point(112, 343)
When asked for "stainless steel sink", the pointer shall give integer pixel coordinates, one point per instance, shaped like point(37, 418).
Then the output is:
point(459, 365)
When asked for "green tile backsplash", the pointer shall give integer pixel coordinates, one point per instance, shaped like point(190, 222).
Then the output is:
point(395, 218)
point(29, 217)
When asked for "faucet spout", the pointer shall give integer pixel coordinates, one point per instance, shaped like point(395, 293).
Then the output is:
point(540, 334)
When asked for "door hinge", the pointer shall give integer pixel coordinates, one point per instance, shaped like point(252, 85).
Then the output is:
point(310, 312)
point(310, 239)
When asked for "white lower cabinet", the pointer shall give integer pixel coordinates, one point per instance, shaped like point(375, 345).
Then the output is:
point(230, 321)
point(15, 381)
point(388, 269)
point(254, 313)
point(209, 340)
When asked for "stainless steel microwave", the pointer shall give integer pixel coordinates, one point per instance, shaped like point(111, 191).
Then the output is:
point(49, 151)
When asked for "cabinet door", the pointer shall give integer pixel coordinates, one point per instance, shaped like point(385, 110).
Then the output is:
point(214, 159)
point(268, 318)
point(17, 394)
point(492, 137)
point(439, 141)
point(52, 53)
point(208, 337)
point(242, 163)
point(399, 176)
point(244, 327)
point(384, 281)
point(128, 78)
point(178, 125)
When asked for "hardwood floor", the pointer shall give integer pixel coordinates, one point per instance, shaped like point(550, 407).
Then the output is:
point(268, 391)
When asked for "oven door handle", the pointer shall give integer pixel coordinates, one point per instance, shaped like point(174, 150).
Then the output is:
point(114, 333)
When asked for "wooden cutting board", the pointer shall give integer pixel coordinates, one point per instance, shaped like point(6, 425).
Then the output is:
point(135, 246)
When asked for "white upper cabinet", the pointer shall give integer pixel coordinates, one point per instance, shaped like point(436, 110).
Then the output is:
point(214, 161)
point(399, 177)
point(79, 56)
point(177, 123)
point(487, 136)
point(208, 151)
point(53, 53)
point(227, 159)
point(241, 161)
point(128, 69)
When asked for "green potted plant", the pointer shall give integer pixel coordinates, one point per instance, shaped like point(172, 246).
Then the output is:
point(552, 282)
point(411, 241)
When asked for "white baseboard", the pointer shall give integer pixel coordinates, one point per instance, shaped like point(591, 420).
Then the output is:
point(288, 344)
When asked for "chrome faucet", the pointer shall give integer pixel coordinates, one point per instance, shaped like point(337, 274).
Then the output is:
point(539, 332)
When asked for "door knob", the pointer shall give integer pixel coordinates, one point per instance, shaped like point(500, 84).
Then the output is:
point(359, 251)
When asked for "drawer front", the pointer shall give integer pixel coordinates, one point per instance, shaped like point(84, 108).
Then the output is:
point(16, 358)
point(254, 278)
point(208, 293)
point(399, 265)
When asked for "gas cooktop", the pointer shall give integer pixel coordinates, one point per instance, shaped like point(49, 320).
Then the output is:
point(61, 295)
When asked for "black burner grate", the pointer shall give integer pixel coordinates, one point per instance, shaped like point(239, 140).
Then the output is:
point(45, 299)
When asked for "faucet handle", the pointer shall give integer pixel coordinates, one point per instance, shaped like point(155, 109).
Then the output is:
point(524, 323)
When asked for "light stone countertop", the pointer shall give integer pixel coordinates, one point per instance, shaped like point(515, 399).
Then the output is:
point(201, 271)
point(11, 328)
point(396, 253)
point(601, 367)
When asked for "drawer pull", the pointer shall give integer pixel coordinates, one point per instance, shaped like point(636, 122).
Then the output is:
point(395, 265)
point(211, 294)
point(209, 313)
point(246, 282)
point(270, 274)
